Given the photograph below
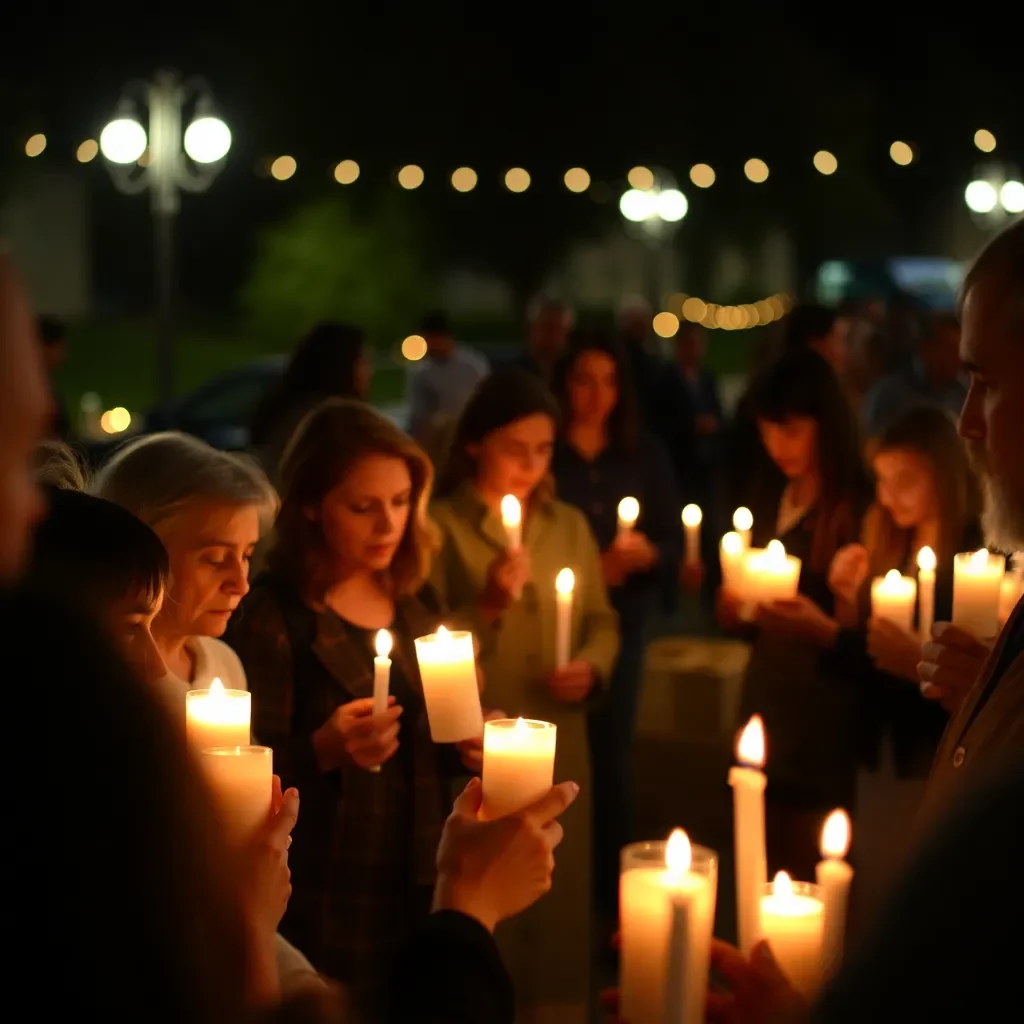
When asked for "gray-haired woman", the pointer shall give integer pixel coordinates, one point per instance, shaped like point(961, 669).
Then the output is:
point(209, 508)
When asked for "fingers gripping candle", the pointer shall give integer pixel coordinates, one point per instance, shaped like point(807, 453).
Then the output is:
point(629, 513)
point(834, 876)
point(565, 583)
point(926, 592)
point(748, 785)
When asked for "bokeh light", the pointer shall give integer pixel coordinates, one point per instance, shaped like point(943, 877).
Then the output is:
point(414, 347)
point(577, 179)
point(464, 179)
point(517, 179)
point(671, 205)
point(35, 145)
point(116, 421)
point(756, 170)
point(283, 168)
point(901, 153)
point(346, 172)
point(207, 140)
point(635, 205)
point(694, 309)
point(984, 140)
point(87, 151)
point(825, 162)
point(641, 178)
point(1011, 195)
point(123, 141)
point(702, 175)
point(665, 324)
point(410, 176)
point(981, 196)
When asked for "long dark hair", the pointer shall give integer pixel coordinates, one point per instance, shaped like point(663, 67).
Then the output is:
point(502, 398)
point(323, 365)
point(622, 423)
point(801, 383)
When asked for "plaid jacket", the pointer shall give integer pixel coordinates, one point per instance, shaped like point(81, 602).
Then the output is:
point(364, 849)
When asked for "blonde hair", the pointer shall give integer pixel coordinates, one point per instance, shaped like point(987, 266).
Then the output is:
point(58, 465)
point(156, 477)
point(328, 442)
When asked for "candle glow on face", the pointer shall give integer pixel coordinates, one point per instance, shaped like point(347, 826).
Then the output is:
point(384, 643)
point(742, 519)
point(565, 581)
point(750, 748)
point(629, 511)
point(692, 515)
point(511, 511)
point(835, 835)
point(732, 543)
point(926, 560)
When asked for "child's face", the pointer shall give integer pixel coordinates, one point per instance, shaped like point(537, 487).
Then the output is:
point(131, 625)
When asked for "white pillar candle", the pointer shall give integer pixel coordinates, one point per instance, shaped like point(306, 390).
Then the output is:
point(565, 582)
point(792, 920)
point(893, 598)
point(1010, 591)
point(743, 523)
point(977, 579)
point(667, 897)
point(692, 517)
point(749, 846)
point(629, 513)
point(769, 574)
point(834, 876)
point(450, 691)
point(519, 765)
point(241, 779)
point(217, 717)
point(732, 554)
point(381, 677)
point(512, 520)
point(926, 592)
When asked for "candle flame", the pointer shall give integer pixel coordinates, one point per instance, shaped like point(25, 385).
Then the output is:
point(926, 559)
point(216, 690)
point(979, 559)
point(384, 643)
point(750, 748)
point(732, 543)
point(629, 510)
point(775, 552)
point(893, 577)
point(678, 852)
point(742, 519)
point(782, 885)
point(443, 636)
point(692, 515)
point(565, 581)
point(521, 726)
point(835, 834)
point(511, 511)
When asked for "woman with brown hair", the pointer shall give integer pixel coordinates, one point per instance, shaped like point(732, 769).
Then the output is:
point(351, 556)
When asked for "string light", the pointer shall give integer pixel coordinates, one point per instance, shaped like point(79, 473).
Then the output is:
point(346, 172)
point(641, 178)
point(702, 175)
point(87, 151)
point(35, 145)
point(730, 318)
point(756, 170)
point(464, 179)
point(517, 179)
point(666, 325)
point(901, 153)
point(414, 348)
point(410, 176)
point(984, 140)
point(283, 168)
point(825, 162)
point(577, 179)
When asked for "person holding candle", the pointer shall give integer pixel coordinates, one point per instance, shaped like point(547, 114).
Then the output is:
point(811, 500)
point(208, 507)
point(504, 445)
point(351, 553)
point(602, 456)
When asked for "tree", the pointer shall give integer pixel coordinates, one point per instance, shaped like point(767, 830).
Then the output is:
point(329, 261)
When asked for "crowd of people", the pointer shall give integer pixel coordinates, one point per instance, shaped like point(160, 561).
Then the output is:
point(375, 891)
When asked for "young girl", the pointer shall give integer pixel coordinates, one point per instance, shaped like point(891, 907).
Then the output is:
point(601, 457)
point(352, 551)
point(812, 502)
point(503, 445)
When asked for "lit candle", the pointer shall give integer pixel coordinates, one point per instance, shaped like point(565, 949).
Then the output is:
point(792, 920)
point(926, 591)
point(1010, 591)
point(977, 580)
point(381, 677)
point(217, 717)
point(769, 574)
point(629, 513)
point(893, 597)
point(519, 765)
point(748, 785)
point(512, 520)
point(565, 582)
point(667, 909)
point(834, 876)
point(743, 523)
point(732, 554)
point(241, 779)
point(448, 672)
point(692, 517)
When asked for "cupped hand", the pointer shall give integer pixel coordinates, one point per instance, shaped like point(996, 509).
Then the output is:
point(266, 877)
point(472, 751)
point(848, 571)
point(759, 993)
point(354, 732)
point(799, 617)
point(951, 663)
point(573, 682)
point(892, 649)
point(493, 870)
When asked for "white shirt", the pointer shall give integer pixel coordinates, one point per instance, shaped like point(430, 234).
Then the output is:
point(213, 659)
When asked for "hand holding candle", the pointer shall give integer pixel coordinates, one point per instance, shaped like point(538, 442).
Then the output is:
point(834, 877)
point(769, 574)
point(629, 513)
point(381, 676)
point(748, 786)
point(565, 583)
point(977, 579)
point(519, 765)
point(926, 563)
point(512, 520)
point(217, 717)
point(692, 518)
point(792, 922)
point(893, 597)
point(448, 672)
point(241, 780)
point(743, 523)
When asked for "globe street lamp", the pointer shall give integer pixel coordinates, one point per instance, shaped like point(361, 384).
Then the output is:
point(995, 195)
point(165, 161)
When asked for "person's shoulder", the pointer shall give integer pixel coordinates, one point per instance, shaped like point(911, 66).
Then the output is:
point(221, 662)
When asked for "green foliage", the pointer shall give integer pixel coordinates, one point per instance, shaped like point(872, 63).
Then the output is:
point(329, 261)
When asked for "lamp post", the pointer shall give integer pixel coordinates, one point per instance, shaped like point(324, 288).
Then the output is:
point(653, 214)
point(994, 195)
point(175, 162)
